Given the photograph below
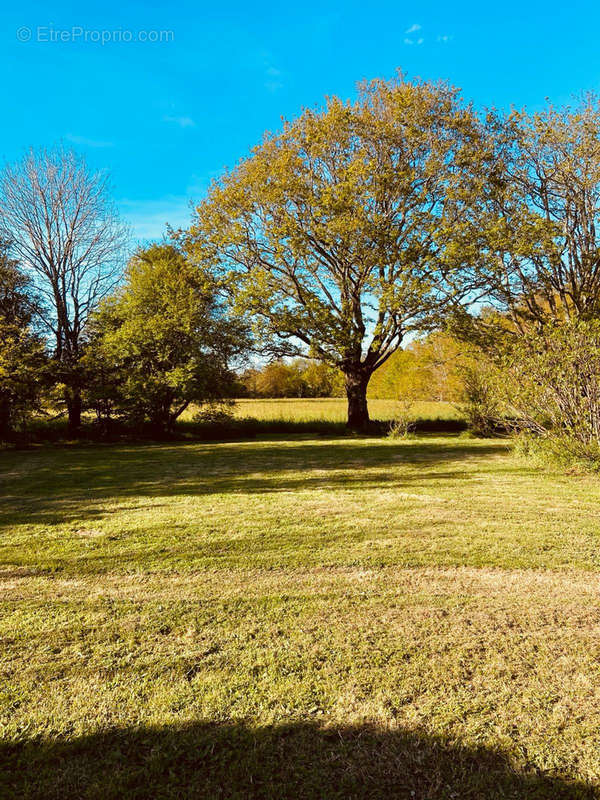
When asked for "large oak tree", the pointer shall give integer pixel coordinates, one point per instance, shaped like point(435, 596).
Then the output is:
point(340, 235)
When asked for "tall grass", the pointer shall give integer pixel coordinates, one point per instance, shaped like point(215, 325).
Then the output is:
point(325, 416)
point(331, 409)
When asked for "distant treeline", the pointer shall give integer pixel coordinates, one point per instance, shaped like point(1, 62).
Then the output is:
point(430, 368)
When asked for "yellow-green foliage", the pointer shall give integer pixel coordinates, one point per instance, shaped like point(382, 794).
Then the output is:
point(428, 369)
point(300, 377)
point(163, 340)
point(329, 237)
point(538, 237)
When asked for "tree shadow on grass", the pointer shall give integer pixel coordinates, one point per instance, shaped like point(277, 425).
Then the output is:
point(300, 761)
point(58, 485)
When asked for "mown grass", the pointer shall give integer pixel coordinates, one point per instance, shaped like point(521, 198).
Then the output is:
point(317, 618)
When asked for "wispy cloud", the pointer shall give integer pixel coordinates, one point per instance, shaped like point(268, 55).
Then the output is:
point(273, 85)
point(273, 71)
point(182, 122)
point(148, 219)
point(273, 76)
point(84, 141)
point(410, 39)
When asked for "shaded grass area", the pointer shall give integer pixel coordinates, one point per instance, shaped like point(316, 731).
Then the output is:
point(303, 618)
point(249, 427)
point(301, 760)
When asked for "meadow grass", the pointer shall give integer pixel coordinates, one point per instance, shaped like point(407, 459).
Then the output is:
point(335, 409)
point(324, 415)
point(346, 617)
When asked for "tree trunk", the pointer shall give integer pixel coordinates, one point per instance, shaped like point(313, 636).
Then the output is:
point(358, 412)
point(73, 400)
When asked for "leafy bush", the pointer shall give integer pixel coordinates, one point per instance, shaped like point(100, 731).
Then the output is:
point(481, 404)
point(552, 385)
point(162, 342)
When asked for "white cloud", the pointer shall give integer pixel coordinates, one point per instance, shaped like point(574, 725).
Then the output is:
point(413, 29)
point(83, 141)
point(183, 122)
point(444, 38)
point(414, 41)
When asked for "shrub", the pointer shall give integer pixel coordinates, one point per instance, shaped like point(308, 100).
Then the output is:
point(481, 403)
point(552, 384)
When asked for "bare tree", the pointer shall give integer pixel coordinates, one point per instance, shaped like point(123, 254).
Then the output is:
point(63, 228)
point(542, 235)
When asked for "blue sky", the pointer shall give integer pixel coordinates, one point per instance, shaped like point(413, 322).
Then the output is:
point(166, 117)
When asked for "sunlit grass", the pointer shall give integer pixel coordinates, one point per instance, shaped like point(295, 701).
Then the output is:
point(334, 409)
point(331, 409)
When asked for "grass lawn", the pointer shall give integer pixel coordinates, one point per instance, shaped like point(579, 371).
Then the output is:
point(311, 618)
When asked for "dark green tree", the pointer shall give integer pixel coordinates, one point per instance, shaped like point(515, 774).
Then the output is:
point(23, 361)
point(162, 342)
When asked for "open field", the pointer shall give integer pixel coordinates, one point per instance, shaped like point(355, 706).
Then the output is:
point(335, 409)
point(324, 415)
point(310, 618)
